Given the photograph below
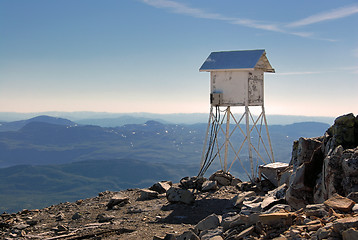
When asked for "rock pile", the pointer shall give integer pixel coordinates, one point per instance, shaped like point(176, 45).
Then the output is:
point(314, 197)
point(325, 165)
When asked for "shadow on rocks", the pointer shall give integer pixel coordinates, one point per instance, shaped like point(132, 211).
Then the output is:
point(192, 214)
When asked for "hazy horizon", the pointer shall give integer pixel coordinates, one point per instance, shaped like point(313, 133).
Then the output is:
point(186, 118)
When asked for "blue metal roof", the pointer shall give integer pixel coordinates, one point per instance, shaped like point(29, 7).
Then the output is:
point(231, 60)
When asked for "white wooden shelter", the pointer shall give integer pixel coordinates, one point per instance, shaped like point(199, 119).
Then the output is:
point(236, 80)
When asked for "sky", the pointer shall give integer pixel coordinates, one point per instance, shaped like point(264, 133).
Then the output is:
point(145, 55)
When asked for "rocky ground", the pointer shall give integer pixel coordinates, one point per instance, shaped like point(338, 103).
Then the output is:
point(314, 197)
point(136, 219)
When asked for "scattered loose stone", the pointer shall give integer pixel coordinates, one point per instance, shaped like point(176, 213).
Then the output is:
point(222, 178)
point(103, 217)
point(161, 187)
point(210, 222)
point(188, 235)
point(117, 200)
point(321, 167)
point(180, 195)
point(209, 186)
point(146, 194)
point(318, 210)
point(239, 199)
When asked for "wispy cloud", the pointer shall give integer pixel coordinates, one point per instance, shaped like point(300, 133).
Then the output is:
point(326, 16)
point(181, 8)
point(199, 13)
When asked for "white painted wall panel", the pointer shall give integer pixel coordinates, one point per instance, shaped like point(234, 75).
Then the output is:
point(237, 87)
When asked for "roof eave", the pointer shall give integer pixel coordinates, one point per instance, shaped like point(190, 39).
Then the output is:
point(271, 70)
point(226, 70)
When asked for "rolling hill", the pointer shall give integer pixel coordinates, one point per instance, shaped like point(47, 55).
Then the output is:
point(55, 160)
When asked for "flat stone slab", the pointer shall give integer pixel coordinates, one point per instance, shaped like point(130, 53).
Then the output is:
point(210, 222)
point(276, 218)
point(342, 224)
point(340, 203)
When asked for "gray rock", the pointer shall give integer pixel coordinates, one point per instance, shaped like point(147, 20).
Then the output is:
point(222, 178)
point(192, 182)
point(21, 226)
point(350, 234)
point(344, 131)
point(228, 218)
point(238, 200)
point(350, 165)
point(211, 234)
point(180, 195)
point(245, 233)
point(246, 186)
point(298, 193)
point(103, 217)
point(323, 233)
point(272, 170)
point(355, 208)
point(284, 176)
point(251, 205)
point(188, 235)
point(117, 200)
point(161, 187)
point(331, 175)
point(146, 194)
point(317, 210)
point(269, 202)
point(278, 207)
point(210, 222)
point(279, 192)
point(209, 186)
point(353, 196)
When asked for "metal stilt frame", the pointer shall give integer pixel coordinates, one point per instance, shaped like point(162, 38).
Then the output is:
point(218, 139)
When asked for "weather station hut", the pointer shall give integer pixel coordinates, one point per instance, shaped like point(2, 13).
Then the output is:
point(237, 82)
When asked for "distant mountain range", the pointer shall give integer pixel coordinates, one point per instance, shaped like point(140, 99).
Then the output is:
point(104, 119)
point(54, 158)
point(17, 125)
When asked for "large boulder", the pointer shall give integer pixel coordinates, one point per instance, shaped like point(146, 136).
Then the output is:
point(307, 164)
point(326, 165)
point(339, 174)
point(344, 132)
